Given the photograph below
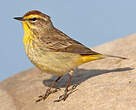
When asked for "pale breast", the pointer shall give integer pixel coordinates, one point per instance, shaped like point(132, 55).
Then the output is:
point(52, 62)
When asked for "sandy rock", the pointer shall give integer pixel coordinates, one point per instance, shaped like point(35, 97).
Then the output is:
point(108, 84)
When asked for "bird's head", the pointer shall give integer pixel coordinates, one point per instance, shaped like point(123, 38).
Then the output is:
point(35, 21)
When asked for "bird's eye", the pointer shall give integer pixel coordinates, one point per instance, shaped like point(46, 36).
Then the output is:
point(33, 19)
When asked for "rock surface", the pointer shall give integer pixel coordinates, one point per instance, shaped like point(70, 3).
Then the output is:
point(108, 84)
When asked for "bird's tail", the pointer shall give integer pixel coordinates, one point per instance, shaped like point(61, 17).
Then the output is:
point(88, 58)
point(115, 56)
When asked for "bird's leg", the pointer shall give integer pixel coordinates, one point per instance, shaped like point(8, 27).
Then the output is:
point(65, 95)
point(48, 91)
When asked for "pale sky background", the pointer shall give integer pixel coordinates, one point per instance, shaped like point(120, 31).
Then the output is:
point(92, 22)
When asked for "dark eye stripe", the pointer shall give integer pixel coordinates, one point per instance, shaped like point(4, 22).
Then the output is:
point(33, 19)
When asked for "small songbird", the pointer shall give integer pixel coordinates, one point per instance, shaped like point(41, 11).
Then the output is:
point(52, 51)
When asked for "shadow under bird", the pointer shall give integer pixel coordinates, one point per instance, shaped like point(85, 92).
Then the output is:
point(52, 51)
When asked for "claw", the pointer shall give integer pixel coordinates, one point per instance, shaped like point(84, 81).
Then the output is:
point(48, 92)
point(38, 100)
point(62, 97)
point(40, 96)
point(66, 94)
point(73, 87)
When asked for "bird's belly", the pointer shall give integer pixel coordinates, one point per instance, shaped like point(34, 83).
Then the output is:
point(58, 62)
point(54, 62)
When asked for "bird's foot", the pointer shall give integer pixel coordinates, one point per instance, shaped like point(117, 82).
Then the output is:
point(62, 97)
point(48, 92)
point(66, 94)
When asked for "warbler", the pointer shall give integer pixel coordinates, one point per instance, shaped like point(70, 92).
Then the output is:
point(52, 51)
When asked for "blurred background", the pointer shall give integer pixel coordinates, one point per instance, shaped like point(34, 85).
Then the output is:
point(92, 22)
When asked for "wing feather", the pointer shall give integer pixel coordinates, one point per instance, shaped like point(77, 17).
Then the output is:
point(57, 41)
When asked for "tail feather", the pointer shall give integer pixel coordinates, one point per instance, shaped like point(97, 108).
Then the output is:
point(88, 58)
point(115, 56)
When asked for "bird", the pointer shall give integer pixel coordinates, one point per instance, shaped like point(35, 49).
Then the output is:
point(52, 51)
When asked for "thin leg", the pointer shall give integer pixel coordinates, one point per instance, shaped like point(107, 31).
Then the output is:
point(48, 91)
point(54, 83)
point(65, 95)
point(68, 83)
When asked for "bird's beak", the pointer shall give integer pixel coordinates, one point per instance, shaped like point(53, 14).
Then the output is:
point(19, 18)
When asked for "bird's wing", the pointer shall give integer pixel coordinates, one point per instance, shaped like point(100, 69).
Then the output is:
point(60, 42)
